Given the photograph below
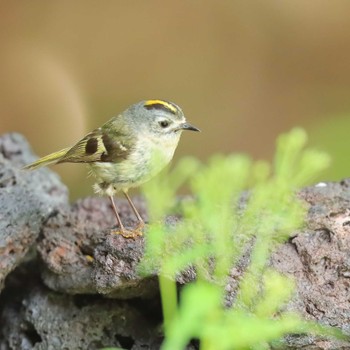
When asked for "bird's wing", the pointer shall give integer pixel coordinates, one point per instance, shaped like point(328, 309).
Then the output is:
point(100, 145)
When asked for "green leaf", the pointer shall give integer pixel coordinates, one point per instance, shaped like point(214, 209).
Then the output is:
point(237, 207)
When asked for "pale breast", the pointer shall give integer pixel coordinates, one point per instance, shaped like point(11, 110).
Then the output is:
point(144, 162)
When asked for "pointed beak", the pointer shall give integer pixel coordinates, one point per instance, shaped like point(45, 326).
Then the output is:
point(187, 126)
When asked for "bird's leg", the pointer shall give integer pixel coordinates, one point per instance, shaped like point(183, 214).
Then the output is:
point(139, 218)
point(119, 222)
point(122, 230)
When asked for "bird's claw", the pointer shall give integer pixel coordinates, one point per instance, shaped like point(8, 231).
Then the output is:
point(129, 233)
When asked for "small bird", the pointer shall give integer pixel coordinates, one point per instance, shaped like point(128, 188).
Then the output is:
point(127, 151)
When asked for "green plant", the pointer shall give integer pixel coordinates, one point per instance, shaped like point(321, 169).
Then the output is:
point(236, 204)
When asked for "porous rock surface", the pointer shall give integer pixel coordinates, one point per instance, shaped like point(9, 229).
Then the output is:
point(83, 289)
point(34, 317)
point(26, 201)
point(318, 258)
point(82, 256)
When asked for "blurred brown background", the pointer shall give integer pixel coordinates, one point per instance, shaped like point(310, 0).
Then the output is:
point(243, 71)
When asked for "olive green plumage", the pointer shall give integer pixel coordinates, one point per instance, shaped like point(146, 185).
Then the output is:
point(110, 143)
point(127, 150)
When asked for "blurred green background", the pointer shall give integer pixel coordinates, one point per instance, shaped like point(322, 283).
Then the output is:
point(243, 71)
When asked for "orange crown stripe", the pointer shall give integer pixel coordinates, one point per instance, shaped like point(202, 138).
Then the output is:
point(164, 103)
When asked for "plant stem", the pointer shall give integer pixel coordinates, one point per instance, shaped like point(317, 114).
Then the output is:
point(169, 300)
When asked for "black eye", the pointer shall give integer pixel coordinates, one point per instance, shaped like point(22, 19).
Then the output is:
point(164, 123)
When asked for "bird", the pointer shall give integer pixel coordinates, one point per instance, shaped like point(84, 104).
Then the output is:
point(127, 151)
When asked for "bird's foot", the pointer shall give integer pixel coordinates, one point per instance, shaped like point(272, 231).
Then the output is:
point(129, 233)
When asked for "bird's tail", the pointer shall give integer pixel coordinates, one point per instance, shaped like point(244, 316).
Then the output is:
point(52, 158)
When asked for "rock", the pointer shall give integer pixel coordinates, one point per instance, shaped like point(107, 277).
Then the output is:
point(26, 201)
point(35, 318)
point(82, 256)
point(318, 258)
